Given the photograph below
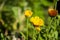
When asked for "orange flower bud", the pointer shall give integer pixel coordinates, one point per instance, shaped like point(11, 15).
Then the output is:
point(52, 12)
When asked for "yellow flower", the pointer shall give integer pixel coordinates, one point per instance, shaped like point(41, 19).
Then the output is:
point(28, 13)
point(41, 22)
point(37, 21)
point(32, 19)
point(37, 28)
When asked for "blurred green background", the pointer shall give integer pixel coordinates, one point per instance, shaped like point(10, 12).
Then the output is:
point(12, 17)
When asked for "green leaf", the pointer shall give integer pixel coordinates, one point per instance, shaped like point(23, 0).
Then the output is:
point(56, 34)
point(2, 35)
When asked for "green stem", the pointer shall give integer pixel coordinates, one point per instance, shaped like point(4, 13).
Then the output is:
point(55, 3)
point(34, 34)
point(49, 27)
point(55, 24)
point(39, 36)
point(27, 28)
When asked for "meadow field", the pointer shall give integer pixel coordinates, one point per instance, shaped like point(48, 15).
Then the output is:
point(29, 20)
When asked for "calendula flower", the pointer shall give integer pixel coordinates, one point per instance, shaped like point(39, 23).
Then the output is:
point(52, 12)
point(37, 28)
point(37, 21)
point(31, 19)
point(28, 13)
